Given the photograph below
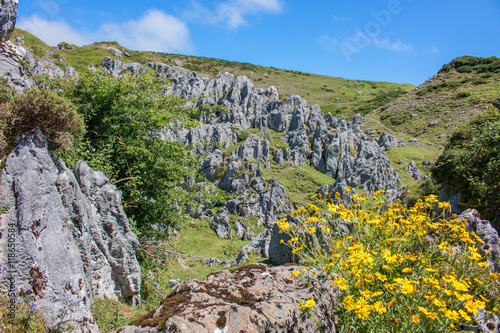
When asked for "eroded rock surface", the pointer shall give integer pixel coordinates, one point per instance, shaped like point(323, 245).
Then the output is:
point(8, 16)
point(70, 230)
point(254, 298)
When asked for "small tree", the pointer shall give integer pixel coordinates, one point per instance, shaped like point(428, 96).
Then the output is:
point(54, 115)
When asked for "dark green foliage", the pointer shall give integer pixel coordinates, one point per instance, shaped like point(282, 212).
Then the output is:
point(470, 163)
point(123, 117)
point(243, 135)
point(54, 115)
point(469, 64)
point(447, 85)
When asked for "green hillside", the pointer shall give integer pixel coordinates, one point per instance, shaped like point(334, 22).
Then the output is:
point(316, 89)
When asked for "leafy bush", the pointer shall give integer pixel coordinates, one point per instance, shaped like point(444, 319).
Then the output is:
point(468, 64)
point(470, 164)
point(124, 118)
point(54, 115)
point(399, 269)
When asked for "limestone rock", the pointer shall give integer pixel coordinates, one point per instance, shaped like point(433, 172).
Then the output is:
point(8, 16)
point(253, 298)
point(414, 171)
point(488, 235)
point(278, 157)
point(266, 199)
point(260, 244)
point(242, 231)
point(388, 141)
point(71, 231)
point(253, 148)
point(220, 224)
point(279, 252)
point(351, 155)
point(211, 262)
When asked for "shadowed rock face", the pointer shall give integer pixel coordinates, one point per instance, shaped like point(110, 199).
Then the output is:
point(70, 230)
point(253, 298)
point(8, 15)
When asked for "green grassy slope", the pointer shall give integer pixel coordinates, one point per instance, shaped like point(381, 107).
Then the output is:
point(316, 89)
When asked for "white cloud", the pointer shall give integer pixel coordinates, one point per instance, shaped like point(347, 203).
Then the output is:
point(154, 31)
point(433, 50)
point(52, 32)
point(234, 13)
point(397, 46)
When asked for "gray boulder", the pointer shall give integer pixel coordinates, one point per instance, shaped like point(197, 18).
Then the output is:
point(70, 231)
point(113, 67)
point(243, 232)
point(204, 137)
point(253, 148)
point(278, 157)
point(211, 262)
point(8, 16)
point(220, 224)
point(253, 298)
point(414, 171)
point(210, 165)
point(488, 235)
point(388, 141)
point(265, 199)
point(279, 252)
point(351, 155)
point(260, 244)
point(340, 186)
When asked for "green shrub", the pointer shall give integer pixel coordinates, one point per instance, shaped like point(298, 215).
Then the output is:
point(54, 115)
point(462, 94)
point(470, 164)
point(123, 117)
point(243, 135)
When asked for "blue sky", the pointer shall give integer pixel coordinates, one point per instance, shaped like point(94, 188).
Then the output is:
point(404, 41)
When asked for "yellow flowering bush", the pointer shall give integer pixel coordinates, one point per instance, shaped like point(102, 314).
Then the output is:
point(399, 269)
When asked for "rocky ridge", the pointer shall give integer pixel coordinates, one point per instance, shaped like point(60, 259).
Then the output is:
point(71, 237)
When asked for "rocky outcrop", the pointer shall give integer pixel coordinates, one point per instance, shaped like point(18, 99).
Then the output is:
point(351, 155)
point(414, 171)
point(243, 232)
point(266, 199)
point(253, 148)
point(8, 16)
point(205, 136)
point(220, 224)
point(254, 298)
point(116, 67)
point(388, 141)
point(69, 230)
point(487, 234)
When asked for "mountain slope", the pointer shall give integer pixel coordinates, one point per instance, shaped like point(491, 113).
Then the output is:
point(317, 89)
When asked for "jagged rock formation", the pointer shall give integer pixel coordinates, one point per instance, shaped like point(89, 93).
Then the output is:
point(254, 298)
point(266, 199)
point(414, 171)
point(243, 232)
point(116, 67)
point(488, 235)
point(220, 224)
point(340, 149)
point(69, 230)
point(8, 16)
point(388, 141)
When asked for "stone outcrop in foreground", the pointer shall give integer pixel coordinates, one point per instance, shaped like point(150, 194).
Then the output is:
point(71, 237)
point(253, 298)
point(8, 15)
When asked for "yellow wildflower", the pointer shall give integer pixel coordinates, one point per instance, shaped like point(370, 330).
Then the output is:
point(306, 305)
